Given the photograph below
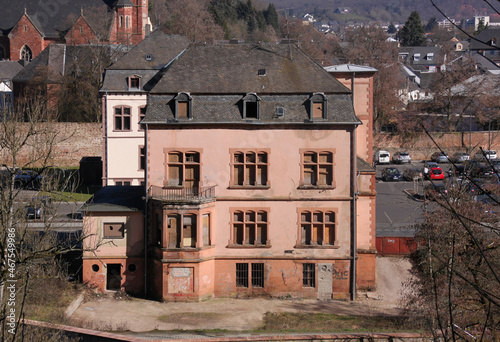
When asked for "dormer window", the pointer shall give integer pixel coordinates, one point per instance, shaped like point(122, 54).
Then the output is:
point(493, 42)
point(183, 106)
point(134, 82)
point(318, 107)
point(430, 56)
point(416, 57)
point(251, 106)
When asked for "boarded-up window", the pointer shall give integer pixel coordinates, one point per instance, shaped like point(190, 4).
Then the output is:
point(182, 109)
point(206, 230)
point(317, 168)
point(189, 231)
point(183, 169)
point(113, 230)
point(318, 110)
point(317, 228)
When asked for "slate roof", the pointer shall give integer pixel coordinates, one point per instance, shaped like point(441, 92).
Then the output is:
point(423, 51)
point(159, 48)
point(233, 69)
point(61, 59)
point(49, 17)
point(116, 199)
point(9, 69)
point(363, 166)
point(227, 109)
point(217, 77)
point(484, 38)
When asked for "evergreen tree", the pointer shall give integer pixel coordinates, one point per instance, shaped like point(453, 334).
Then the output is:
point(480, 27)
point(391, 29)
point(272, 17)
point(412, 34)
point(431, 25)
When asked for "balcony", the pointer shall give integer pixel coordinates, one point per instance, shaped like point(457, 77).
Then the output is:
point(183, 195)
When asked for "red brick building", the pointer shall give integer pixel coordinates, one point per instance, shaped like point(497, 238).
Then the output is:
point(28, 27)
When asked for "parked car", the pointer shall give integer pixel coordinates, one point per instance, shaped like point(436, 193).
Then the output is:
point(37, 207)
point(457, 170)
point(401, 157)
point(436, 173)
point(435, 190)
point(427, 168)
point(27, 179)
point(439, 157)
point(412, 174)
point(485, 154)
point(382, 157)
point(391, 174)
point(460, 157)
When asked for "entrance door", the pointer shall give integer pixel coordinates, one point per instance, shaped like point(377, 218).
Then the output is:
point(113, 277)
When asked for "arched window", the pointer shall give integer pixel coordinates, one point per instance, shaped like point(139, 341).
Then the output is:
point(26, 54)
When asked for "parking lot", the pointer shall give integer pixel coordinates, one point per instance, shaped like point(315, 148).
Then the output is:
point(397, 211)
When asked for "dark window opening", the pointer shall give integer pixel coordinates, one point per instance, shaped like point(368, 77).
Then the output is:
point(241, 275)
point(258, 275)
point(308, 275)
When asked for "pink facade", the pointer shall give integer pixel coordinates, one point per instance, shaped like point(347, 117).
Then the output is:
point(252, 193)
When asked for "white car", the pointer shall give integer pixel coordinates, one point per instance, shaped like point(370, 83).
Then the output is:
point(485, 154)
point(382, 157)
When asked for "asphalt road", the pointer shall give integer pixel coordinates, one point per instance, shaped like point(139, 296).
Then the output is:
point(396, 211)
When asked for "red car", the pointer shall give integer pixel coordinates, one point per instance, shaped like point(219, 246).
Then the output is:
point(436, 173)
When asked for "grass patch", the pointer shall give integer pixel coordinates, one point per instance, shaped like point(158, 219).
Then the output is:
point(48, 298)
point(317, 322)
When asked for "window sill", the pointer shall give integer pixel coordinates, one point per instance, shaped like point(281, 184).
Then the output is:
point(317, 246)
point(249, 187)
point(316, 187)
point(248, 246)
point(122, 130)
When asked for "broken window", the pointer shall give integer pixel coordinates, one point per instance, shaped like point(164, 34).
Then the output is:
point(250, 168)
point(317, 168)
point(113, 230)
point(183, 169)
point(249, 227)
point(181, 231)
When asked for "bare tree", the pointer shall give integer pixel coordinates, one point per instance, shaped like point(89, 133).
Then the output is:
point(28, 242)
point(369, 46)
point(192, 19)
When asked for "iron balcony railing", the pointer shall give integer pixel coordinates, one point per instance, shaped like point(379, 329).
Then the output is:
point(183, 195)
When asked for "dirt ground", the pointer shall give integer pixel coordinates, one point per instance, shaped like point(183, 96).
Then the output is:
point(140, 315)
